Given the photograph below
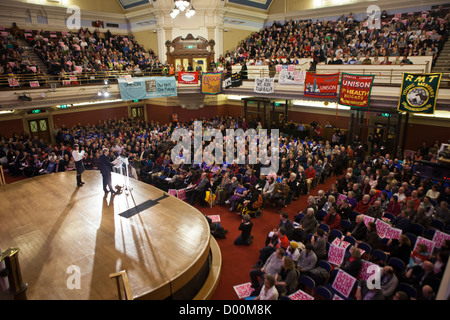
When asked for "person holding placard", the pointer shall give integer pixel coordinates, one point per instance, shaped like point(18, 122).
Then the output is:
point(268, 290)
point(353, 264)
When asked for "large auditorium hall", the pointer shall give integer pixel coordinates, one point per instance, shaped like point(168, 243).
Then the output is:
point(224, 150)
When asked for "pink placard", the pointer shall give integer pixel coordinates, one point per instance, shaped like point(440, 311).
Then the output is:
point(368, 219)
point(34, 84)
point(243, 290)
point(364, 274)
point(33, 69)
point(439, 238)
point(4, 34)
point(291, 67)
point(214, 218)
point(340, 198)
point(393, 233)
point(382, 227)
point(343, 283)
point(78, 69)
point(429, 243)
point(336, 255)
point(300, 295)
point(172, 192)
point(181, 194)
point(340, 243)
point(13, 82)
point(279, 67)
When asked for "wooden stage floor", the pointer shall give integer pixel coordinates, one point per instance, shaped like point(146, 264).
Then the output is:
point(159, 240)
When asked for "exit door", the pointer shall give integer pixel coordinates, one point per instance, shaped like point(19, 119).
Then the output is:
point(39, 128)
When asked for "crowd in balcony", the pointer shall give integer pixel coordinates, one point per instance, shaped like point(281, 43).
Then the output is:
point(14, 60)
point(367, 182)
point(72, 53)
point(93, 51)
point(345, 40)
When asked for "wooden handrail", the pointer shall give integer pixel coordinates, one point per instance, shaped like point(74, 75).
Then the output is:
point(2, 176)
point(122, 275)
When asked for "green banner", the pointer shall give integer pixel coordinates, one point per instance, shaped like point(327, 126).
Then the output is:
point(419, 92)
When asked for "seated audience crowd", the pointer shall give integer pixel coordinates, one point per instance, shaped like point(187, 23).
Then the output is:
point(345, 40)
point(368, 184)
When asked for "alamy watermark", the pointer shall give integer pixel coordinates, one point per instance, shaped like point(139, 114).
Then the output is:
point(374, 279)
point(261, 148)
point(73, 22)
point(74, 279)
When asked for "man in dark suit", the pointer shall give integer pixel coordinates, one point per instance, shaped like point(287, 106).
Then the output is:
point(105, 169)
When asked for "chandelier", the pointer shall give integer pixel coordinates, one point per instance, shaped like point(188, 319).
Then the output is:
point(181, 6)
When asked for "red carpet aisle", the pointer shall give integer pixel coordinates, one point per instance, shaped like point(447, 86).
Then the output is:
point(238, 260)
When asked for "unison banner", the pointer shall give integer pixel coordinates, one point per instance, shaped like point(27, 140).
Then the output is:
point(212, 83)
point(188, 77)
point(264, 85)
point(147, 87)
point(291, 77)
point(355, 90)
point(419, 92)
point(321, 85)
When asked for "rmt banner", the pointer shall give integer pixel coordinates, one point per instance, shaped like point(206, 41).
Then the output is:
point(355, 90)
point(419, 92)
point(264, 85)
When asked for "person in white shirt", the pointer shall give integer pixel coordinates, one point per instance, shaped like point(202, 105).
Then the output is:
point(78, 158)
point(269, 290)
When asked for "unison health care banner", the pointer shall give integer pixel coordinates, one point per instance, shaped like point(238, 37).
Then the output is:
point(147, 87)
point(419, 92)
point(355, 90)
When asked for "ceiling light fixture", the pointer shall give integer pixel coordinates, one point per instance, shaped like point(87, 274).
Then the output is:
point(181, 6)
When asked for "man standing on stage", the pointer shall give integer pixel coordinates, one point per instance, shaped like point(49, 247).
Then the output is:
point(78, 158)
point(105, 169)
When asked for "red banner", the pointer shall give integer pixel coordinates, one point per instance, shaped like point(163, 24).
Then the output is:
point(321, 85)
point(188, 77)
point(355, 90)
